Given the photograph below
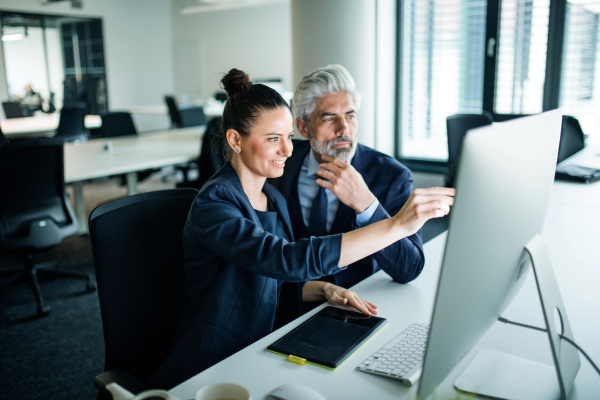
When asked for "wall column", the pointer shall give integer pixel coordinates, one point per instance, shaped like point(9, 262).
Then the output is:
point(339, 32)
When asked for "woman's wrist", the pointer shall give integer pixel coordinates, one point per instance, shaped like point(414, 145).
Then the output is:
point(315, 291)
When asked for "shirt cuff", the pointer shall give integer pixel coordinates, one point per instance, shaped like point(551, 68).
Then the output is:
point(364, 218)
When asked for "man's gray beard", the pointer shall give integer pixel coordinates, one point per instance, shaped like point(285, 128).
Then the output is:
point(344, 154)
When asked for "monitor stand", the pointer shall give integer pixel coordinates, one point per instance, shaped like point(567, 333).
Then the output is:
point(505, 376)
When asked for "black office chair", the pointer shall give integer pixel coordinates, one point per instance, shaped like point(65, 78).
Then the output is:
point(35, 214)
point(210, 159)
point(221, 96)
point(572, 138)
point(456, 128)
point(138, 256)
point(2, 137)
point(173, 111)
point(51, 106)
point(117, 123)
point(13, 109)
point(71, 125)
point(192, 116)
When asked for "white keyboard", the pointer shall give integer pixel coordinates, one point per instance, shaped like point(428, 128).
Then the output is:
point(402, 357)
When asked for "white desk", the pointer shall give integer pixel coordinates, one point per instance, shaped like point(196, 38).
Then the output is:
point(129, 155)
point(572, 235)
point(40, 124)
point(211, 109)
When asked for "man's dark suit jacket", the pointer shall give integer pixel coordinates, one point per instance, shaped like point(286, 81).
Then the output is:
point(391, 182)
point(232, 272)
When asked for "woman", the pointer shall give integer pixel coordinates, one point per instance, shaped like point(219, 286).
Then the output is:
point(239, 245)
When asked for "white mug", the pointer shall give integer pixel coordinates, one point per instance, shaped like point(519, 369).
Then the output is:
point(223, 391)
point(154, 394)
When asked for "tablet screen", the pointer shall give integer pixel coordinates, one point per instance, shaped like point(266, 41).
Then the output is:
point(328, 337)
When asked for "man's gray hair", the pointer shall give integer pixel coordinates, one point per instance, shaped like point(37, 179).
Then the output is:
point(333, 78)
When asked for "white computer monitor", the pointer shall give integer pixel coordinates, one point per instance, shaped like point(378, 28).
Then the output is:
point(504, 183)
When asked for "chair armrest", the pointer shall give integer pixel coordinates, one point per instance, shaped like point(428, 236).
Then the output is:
point(124, 379)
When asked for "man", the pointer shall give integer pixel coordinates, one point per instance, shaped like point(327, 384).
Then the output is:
point(361, 185)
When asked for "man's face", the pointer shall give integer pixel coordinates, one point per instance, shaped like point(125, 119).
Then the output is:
point(333, 127)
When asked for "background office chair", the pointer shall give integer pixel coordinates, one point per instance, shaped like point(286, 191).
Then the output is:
point(210, 159)
point(192, 116)
point(457, 126)
point(221, 96)
point(71, 125)
point(186, 116)
point(138, 257)
point(117, 123)
point(13, 109)
point(35, 214)
point(173, 111)
point(572, 138)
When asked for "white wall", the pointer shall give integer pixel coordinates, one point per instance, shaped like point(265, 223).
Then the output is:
point(338, 32)
point(137, 46)
point(360, 35)
point(255, 39)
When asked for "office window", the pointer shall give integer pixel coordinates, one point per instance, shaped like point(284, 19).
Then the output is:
point(580, 76)
point(442, 66)
point(521, 62)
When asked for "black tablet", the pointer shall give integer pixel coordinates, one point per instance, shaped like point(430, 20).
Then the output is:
point(328, 337)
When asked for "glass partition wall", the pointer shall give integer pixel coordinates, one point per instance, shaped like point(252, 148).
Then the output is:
point(60, 58)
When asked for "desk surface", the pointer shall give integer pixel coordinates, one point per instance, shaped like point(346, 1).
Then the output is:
point(41, 124)
point(89, 159)
point(211, 109)
point(98, 158)
point(572, 235)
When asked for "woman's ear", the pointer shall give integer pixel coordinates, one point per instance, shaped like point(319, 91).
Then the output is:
point(234, 139)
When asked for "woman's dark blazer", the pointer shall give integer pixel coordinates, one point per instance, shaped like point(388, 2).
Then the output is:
point(232, 273)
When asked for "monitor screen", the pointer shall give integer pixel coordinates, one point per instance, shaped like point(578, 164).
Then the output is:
point(504, 183)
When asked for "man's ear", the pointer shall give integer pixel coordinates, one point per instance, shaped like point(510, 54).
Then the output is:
point(302, 127)
point(234, 139)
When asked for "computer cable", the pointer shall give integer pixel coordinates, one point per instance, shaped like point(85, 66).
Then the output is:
point(506, 321)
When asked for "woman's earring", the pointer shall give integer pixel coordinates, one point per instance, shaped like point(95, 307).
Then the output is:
point(237, 149)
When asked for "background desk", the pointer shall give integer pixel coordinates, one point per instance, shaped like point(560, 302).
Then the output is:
point(129, 155)
point(41, 124)
point(572, 235)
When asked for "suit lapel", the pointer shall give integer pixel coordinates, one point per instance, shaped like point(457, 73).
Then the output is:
point(283, 212)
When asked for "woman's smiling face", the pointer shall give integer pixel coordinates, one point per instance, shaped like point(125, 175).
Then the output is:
point(265, 150)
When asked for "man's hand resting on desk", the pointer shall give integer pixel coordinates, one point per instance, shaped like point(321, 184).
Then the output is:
point(317, 290)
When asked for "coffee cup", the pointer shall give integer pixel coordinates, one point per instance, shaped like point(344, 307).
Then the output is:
point(223, 391)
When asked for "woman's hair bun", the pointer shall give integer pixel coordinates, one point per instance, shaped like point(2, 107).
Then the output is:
point(235, 82)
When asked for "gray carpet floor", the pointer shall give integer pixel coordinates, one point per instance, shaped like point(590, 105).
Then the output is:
point(57, 356)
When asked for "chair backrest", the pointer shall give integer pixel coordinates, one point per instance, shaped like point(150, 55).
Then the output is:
point(12, 109)
point(117, 123)
point(34, 210)
point(192, 116)
point(221, 96)
point(456, 128)
point(71, 125)
point(211, 158)
point(571, 138)
point(138, 257)
point(173, 111)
